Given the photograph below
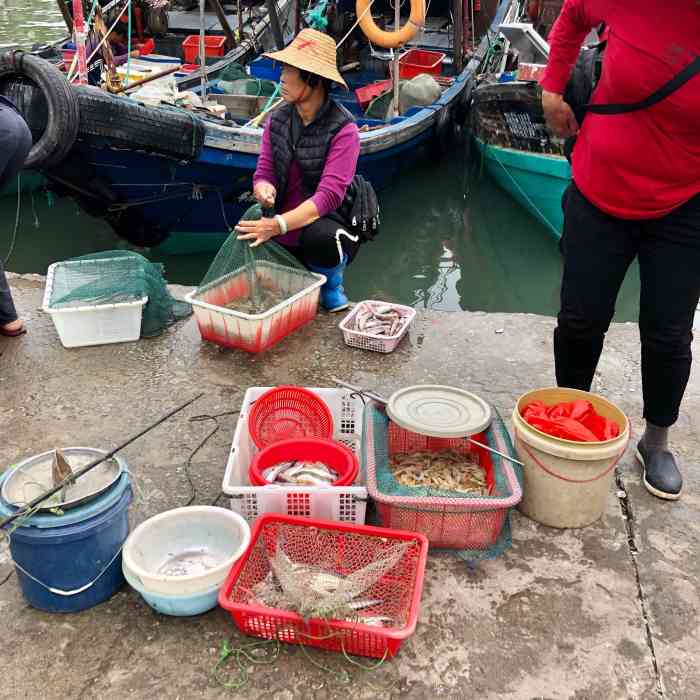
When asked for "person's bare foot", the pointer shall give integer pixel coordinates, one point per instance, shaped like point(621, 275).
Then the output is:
point(13, 328)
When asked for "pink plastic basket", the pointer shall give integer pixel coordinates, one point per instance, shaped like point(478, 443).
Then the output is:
point(350, 548)
point(447, 522)
point(370, 341)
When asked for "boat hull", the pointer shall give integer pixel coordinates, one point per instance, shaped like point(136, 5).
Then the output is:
point(537, 181)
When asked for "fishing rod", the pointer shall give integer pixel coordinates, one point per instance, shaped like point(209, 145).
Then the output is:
point(84, 470)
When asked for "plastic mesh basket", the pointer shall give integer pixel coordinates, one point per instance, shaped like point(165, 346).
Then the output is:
point(448, 519)
point(342, 549)
point(371, 341)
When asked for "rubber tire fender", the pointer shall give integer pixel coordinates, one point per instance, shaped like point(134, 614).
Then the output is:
point(443, 131)
point(125, 123)
point(62, 106)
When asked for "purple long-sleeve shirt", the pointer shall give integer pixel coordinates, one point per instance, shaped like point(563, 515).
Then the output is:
point(337, 175)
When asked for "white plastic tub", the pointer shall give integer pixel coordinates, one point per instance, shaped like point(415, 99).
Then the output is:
point(256, 332)
point(99, 324)
point(185, 551)
point(339, 503)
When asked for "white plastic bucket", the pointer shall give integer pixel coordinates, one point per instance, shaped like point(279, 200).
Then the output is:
point(566, 483)
point(185, 551)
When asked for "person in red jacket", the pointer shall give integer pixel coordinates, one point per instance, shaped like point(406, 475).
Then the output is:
point(635, 194)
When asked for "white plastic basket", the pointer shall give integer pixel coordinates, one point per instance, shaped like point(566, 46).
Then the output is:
point(99, 324)
point(256, 332)
point(340, 503)
point(371, 341)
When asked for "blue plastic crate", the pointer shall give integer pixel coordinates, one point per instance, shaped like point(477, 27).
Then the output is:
point(266, 69)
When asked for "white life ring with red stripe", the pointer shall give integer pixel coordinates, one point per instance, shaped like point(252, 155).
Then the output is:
point(391, 40)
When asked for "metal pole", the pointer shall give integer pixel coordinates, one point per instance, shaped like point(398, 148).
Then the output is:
point(79, 38)
point(471, 5)
point(223, 21)
point(202, 53)
point(63, 8)
point(395, 62)
point(275, 24)
point(458, 41)
point(239, 12)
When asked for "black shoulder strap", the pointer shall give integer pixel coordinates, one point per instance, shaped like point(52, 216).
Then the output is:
point(678, 81)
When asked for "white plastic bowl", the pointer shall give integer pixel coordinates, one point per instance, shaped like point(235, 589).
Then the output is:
point(185, 551)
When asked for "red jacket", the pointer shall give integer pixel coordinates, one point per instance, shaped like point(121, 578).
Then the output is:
point(643, 164)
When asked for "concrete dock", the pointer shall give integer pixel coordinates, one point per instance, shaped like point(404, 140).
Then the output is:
point(609, 611)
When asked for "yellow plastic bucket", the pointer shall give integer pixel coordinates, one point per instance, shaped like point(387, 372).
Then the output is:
point(566, 483)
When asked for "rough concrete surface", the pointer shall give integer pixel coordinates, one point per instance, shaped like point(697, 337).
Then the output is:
point(609, 611)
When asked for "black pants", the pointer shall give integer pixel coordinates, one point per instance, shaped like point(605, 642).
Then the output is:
point(15, 143)
point(325, 243)
point(598, 249)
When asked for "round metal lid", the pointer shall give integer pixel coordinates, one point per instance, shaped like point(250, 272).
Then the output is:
point(32, 477)
point(439, 411)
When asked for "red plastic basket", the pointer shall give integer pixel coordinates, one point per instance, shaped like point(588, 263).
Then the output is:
point(349, 547)
point(288, 412)
point(417, 61)
point(146, 47)
point(367, 93)
point(333, 454)
point(213, 46)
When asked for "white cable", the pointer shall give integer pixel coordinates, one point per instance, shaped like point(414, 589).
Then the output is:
point(352, 29)
point(342, 232)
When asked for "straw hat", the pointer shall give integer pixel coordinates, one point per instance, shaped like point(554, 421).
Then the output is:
point(311, 51)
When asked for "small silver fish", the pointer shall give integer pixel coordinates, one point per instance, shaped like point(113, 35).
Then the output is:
point(272, 473)
point(362, 604)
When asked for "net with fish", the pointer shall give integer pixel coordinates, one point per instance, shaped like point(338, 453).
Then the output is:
point(250, 280)
point(116, 276)
point(464, 505)
point(349, 586)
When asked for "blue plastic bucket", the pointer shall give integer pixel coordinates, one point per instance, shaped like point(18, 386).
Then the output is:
point(72, 562)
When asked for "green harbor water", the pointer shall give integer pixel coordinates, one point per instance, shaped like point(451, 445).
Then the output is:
point(450, 238)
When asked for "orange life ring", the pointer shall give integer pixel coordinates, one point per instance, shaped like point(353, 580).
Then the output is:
point(391, 40)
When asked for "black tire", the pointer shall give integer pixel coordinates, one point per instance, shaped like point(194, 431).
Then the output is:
point(444, 130)
point(127, 123)
point(52, 95)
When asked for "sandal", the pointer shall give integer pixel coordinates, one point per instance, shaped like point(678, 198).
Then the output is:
point(14, 332)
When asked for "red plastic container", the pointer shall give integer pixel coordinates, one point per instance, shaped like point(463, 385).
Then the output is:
point(367, 93)
point(147, 47)
point(213, 46)
point(68, 58)
point(417, 61)
point(347, 548)
point(333, 454)
point(188, 67)
point(288, 412)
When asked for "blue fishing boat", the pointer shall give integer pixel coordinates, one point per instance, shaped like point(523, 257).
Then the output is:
point(163, 176)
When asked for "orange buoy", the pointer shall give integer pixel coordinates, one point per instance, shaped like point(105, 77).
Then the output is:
point(391, 40)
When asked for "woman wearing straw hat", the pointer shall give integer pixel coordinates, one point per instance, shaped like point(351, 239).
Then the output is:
point(307, 160)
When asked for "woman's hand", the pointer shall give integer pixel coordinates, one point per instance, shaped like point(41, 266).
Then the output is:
point(135, 53)
point(258, 231)
point(559, 115)
point(265, 193)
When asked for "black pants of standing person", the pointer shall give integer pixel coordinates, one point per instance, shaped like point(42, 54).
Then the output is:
point(15, 144)
point(598, 249)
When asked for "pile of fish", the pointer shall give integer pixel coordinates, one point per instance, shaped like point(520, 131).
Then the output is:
point(378, 319)
point(300, 473)
point(447, 470)
point(260, 300)
point(313, 591)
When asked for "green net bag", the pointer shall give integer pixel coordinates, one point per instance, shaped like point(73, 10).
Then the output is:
point(116, 276)
point(251, 281)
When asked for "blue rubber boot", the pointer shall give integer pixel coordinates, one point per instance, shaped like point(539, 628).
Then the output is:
point(332, 293)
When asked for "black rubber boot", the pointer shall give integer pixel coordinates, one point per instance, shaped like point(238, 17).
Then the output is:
point(661, 475)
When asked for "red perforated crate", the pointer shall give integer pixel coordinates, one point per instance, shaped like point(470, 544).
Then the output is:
point(347, 548)
point(367, 93)
point(467, 523)
point(213, 46)
point(417, 61)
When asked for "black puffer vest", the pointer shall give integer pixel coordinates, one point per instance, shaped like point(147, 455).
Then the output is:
point(311, 147)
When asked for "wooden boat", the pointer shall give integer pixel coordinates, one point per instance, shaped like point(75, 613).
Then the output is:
point(188, 200)
point(508, 125)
